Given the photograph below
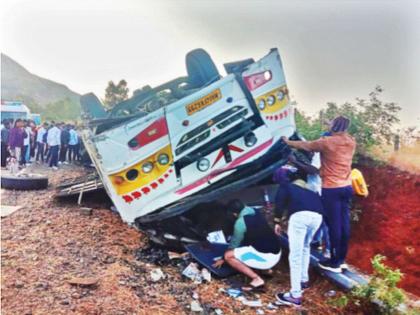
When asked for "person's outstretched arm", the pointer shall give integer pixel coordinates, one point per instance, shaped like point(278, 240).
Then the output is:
point(312, 146)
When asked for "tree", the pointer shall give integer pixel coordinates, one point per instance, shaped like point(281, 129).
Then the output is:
point(373, 121)
point(115, 93)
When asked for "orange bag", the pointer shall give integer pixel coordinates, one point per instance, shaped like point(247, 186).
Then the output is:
point(358, 182)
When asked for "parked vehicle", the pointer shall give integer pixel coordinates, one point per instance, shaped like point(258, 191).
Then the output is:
point(192, 140)
point(17, 109)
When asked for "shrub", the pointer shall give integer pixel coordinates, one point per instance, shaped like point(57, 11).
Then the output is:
point(382, 287)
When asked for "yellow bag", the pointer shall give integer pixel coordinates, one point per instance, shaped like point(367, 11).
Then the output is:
point(358, 183)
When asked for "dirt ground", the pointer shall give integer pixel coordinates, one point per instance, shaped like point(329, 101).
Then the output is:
point(389, 223)
point(47, 243)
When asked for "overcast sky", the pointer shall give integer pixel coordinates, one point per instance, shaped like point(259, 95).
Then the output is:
point(331, 50)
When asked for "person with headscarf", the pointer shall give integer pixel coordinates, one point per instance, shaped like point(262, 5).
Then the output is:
point(337, 152)
point(304, 211)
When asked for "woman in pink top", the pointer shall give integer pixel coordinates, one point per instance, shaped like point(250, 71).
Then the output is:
point(337, 153)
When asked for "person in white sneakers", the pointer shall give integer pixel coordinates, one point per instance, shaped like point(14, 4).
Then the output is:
point(54, 141)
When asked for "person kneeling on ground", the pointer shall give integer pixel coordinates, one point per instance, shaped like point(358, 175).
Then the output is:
point(253, 244)
point(305, 213)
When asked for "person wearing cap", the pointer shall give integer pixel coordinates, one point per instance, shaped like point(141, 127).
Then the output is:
point(253, 245)
point(304, 210)
point(337, 152)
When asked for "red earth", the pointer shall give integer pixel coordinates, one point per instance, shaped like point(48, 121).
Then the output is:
point(389, 223)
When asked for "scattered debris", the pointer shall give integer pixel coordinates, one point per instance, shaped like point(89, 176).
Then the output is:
point(8, 210)
point(217, 237)
point(206, 275)
point(157, 274)
point(232, 292)
point(271, 306)
point(195, 296)
point(83, 281)
point(250, 303)
point(175, 255)
point(86, 211)
point(260, 311)
point(192, 272)
point(196, 307)
point(330, 293)
point(218, 311)
point(153, 255)
point(19, 284)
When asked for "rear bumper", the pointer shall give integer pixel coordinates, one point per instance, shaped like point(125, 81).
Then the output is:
point(245, 175)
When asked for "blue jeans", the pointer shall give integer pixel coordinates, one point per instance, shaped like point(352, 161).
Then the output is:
point(54, 155)
point(322, 236)
point(301, 229)
point(336, 202)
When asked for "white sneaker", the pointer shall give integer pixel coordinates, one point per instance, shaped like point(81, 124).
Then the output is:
point(55, 168)
point(59, 163)
point(344, 266)
point(66, 162)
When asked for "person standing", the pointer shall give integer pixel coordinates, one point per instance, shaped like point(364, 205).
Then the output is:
point(305, 211)
point(25, 149)
point(5, 142)
point(65, 138)
point(54, 141)
point(16, 136)
point(40, 142)
point(337, 152)
point(73, 141)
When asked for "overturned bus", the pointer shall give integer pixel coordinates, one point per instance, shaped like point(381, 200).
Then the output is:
point(190, 142)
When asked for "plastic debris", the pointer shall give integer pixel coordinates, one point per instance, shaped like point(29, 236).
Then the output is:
point(271, 306)
point(260, 312)
point(174, 255)
point(196, 307)
point(206, 275)
point(217, 237)
point(234, 292)
point(218, 311)
point(330, 293)
point(192, 272)
point(195, 296)
point(157, 274)
point(254, 303)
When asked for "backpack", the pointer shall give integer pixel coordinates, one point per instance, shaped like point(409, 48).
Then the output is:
point(358, 183)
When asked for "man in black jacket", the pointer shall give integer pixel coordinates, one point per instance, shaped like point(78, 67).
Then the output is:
point(65, 138)
point(253, 244)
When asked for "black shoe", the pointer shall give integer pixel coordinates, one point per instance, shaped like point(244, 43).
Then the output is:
point(287, 299)
point(327, 265)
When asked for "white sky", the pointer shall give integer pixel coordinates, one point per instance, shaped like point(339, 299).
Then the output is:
point(331, 50)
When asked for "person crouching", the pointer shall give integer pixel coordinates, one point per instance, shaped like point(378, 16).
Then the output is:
point(253, 245)
point(305, 213)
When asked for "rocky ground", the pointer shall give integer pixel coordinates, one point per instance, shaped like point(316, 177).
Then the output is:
point(59, 259)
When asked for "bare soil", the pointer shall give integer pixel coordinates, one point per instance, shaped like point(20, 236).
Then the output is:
point(49, 246)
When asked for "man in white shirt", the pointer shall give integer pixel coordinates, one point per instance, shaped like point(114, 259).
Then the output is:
point(40, 142)
point(54, 141)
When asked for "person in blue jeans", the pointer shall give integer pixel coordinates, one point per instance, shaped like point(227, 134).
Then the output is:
point(337, 152)
point(305, 211)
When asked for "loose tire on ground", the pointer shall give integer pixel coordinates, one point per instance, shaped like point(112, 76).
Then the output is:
point(24, 182)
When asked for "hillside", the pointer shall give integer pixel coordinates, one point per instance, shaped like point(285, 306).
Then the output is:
point(17, 83)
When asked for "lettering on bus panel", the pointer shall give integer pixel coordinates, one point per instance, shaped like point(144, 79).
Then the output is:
point(203, 102)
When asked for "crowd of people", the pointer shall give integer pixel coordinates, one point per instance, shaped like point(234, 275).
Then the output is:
point(314, 198)
point(50, 143)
